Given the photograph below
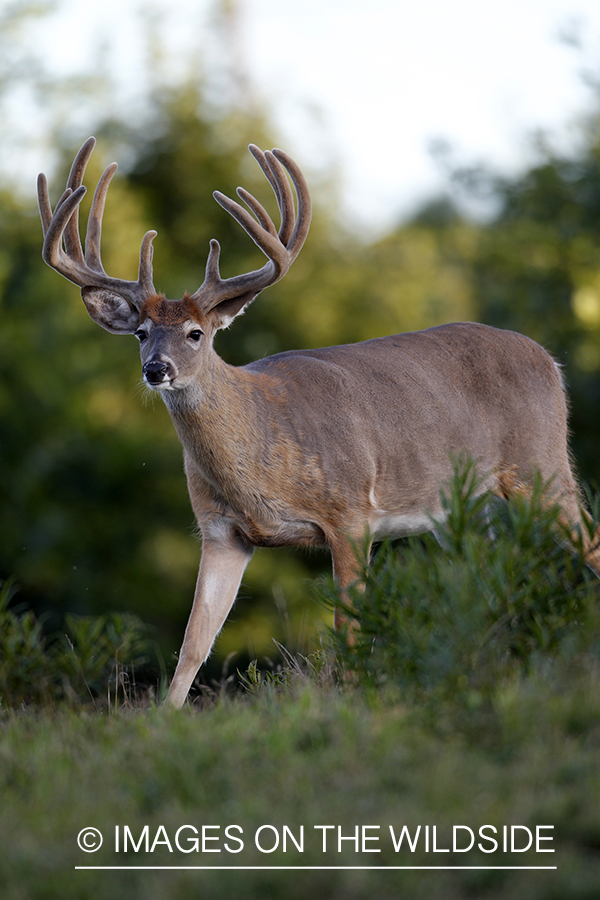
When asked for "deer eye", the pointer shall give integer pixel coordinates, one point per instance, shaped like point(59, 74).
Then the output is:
point(141, 335)
point(195, 335)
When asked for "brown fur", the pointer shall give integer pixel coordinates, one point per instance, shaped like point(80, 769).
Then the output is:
point(171, 312)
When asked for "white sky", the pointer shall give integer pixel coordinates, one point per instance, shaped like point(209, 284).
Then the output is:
point(371, 84)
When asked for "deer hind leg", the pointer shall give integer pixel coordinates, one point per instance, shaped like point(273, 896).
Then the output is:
point(347, 573)
point(573, 514)
point(591, 544)
point(578, 519)
point(221, 569)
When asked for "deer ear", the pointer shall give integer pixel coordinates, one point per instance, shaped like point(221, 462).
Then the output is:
point(111, 311)
point(223, 314)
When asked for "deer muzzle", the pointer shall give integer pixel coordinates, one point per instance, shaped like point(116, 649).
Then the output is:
point(158, 372)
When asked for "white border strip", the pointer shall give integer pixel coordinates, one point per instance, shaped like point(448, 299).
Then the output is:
point(312, 868)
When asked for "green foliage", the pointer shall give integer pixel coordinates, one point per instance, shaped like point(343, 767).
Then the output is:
point(318, 668)
point(91, 659)
point(307, 757)
point(501, 587)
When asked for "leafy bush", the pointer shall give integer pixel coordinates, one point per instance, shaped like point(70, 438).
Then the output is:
point(504, 585)
point(94, 657)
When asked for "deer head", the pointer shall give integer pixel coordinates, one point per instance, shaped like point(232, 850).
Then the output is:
point(174, 335)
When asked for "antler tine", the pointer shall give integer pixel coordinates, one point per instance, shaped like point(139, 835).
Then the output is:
point(278, 181)
point(303, 217)
point(145, 268)
point(213, 275)
point(75, 180)
point(94, 226)
point(286, 199)
point(265, 238)
point(281, 247)
point(68, 204)
point(63, 225)
point(259, 156)
point(44, 202)
point(259, 211)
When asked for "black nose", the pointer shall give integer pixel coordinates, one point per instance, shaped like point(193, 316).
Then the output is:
point(156, 371)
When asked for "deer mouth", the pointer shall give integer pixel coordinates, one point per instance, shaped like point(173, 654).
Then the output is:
point(164, 385)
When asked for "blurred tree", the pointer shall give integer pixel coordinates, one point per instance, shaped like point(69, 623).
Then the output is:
point(536, 269)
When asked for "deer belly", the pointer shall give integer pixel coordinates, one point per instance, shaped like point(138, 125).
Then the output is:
point(390, 524)
point(279, 533)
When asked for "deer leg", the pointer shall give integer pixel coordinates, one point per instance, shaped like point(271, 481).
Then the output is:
point(567, 496)
point(347, 572)
point(576, 518)
point(219, 577)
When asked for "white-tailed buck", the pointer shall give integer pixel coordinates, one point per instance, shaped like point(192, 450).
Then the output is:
point(312, 447)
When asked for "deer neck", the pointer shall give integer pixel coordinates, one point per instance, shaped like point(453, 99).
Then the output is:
point(220, 419)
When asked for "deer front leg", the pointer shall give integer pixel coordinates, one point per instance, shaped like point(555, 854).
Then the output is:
point(221, 569)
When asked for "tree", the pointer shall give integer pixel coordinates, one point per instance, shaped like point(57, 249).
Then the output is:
point(537, 270)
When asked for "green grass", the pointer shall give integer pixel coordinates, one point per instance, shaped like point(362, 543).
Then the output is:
point(471, 697)
point(306, 756)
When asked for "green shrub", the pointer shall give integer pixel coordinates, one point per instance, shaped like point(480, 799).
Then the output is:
point(501, 587)
point(92, 658)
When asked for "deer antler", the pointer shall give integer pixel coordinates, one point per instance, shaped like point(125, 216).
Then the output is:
point(62, 225)
point(281, 247)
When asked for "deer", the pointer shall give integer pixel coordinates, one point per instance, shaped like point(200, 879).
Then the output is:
point(320, 447)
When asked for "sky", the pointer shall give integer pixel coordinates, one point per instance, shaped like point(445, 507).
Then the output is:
point(481, 76)
point(370, 87)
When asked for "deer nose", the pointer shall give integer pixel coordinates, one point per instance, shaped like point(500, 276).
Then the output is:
point(156, 371)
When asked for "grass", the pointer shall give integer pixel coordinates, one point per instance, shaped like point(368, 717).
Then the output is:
point(449, 713)
point(305, 756)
